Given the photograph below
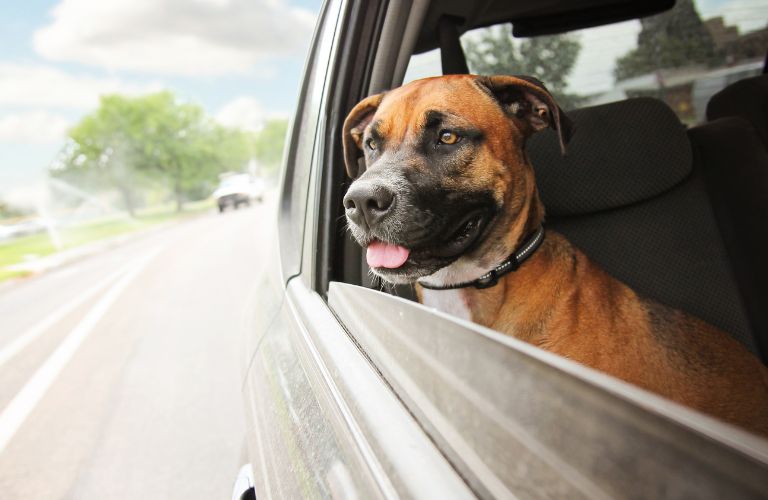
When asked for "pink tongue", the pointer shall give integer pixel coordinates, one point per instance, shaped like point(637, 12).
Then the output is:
point(382, 254)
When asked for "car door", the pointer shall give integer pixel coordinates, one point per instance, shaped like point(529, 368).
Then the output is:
point(353, 392)
point(320, 420)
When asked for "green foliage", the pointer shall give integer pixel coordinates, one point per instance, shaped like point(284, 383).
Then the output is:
point(269, 144)
point(674, 39)
point(8, 211)
point(130, 142)
point(548, 58)
point(21, 249)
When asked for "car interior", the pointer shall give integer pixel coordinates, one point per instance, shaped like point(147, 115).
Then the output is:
point(675, 210)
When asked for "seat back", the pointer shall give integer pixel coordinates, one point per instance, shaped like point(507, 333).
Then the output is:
point(734, 165)
point(748, 99)
point(629, 195)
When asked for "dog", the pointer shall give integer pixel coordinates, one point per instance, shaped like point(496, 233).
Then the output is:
point(444, 196)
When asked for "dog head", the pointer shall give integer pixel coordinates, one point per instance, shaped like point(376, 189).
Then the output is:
point(442, 183)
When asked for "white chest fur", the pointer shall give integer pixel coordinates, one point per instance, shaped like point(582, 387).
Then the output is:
point(452, 302)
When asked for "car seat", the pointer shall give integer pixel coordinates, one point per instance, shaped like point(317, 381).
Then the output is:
point(747, 99)
point(631, 192)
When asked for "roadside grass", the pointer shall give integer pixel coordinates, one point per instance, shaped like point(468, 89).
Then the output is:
point(27, 248)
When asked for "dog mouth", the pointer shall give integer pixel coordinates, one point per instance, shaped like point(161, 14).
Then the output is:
point(389, 258)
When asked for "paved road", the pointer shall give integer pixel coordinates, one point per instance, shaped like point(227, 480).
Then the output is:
point(120, 374)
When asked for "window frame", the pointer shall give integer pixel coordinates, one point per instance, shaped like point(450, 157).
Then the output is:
point(300, 148)
point(676, 433)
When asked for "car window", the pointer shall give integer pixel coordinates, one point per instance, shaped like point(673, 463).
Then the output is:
point(301, 147)
point(682, 56)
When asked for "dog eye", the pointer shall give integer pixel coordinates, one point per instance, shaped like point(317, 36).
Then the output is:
point(448, 137)
point(371, 144)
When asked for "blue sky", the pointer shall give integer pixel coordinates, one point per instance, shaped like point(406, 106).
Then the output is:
point(240, 59)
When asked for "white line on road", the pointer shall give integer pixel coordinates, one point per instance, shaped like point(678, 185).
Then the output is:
point(24, 402)
point(23, 341)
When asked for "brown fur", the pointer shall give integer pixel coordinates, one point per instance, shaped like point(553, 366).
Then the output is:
point(573, 308)
point(559, 300)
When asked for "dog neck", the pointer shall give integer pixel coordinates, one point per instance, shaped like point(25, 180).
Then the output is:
point(484, 306)
point(511, 301)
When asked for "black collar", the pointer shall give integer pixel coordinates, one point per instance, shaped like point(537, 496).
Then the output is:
point(510, 264)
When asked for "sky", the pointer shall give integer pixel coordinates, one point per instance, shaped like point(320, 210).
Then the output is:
point(240, 59)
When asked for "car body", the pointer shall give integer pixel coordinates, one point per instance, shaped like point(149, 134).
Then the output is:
point(353, 391)
point(235, 190)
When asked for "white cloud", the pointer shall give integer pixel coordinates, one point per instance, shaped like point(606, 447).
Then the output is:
point(33, 127)
point(185, 37)
point(600, 48)
point(245, 113)
point(747, 15)
point(39, 85)
point(32, 194)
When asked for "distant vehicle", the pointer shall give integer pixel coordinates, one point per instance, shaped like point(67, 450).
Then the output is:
point(238, 189)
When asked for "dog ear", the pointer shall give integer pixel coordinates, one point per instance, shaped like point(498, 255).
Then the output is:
point(528, 99)
point(352, 132)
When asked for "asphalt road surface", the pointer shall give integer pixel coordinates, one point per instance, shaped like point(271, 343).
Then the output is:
point(120, 373)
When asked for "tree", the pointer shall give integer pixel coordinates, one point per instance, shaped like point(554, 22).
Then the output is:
point(548, 58)
point(673, 39)
point(269, 144)
point(101, 151)
point(130, 141)
point(8, 210)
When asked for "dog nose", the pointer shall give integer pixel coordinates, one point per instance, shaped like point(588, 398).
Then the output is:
point(368, 204)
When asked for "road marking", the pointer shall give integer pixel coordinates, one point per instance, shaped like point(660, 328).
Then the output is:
point(24, 402)
point(24, 340)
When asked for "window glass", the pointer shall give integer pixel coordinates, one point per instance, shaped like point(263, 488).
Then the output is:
point(423, 66)
point(682, 56)
point(301, 147)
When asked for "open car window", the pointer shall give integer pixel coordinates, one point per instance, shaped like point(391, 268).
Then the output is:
point(512, 418)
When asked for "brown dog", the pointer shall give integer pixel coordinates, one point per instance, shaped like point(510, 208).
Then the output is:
point(448, 195)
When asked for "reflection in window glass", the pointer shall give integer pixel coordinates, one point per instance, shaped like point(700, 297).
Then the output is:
point(682, 56)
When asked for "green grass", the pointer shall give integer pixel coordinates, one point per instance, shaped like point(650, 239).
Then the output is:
point(39, 245)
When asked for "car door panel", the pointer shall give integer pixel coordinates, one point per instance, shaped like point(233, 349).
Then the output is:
point(519, 421)
point(299, 446)
point(322, 418)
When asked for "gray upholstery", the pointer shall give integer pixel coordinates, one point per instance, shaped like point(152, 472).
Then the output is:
point(621, 153)
point(630, 196)
point(747, 99)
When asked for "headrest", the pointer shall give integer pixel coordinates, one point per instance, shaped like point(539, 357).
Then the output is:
point(746, 98)
point(620, 153)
